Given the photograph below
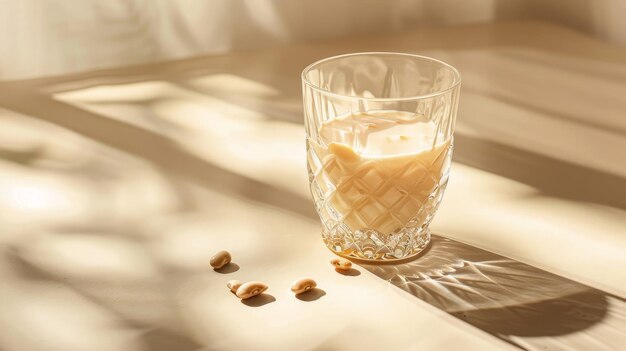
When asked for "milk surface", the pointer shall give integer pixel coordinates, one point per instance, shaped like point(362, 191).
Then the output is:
point(383, 167)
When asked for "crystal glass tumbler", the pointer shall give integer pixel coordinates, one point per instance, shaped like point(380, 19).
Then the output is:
point(379, 130)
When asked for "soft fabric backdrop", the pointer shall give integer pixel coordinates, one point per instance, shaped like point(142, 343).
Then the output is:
point(41, 38)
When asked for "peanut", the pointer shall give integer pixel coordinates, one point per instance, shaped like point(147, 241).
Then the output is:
point(251, 289)
point(341, 264)
point(303, 285)
point(233, 285)
point(220, 259)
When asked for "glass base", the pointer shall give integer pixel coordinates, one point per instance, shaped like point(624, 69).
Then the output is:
point(373, 247)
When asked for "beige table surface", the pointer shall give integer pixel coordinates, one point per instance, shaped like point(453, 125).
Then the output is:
point(116, 187)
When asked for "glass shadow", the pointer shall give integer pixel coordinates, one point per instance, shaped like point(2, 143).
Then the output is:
point(518, 303)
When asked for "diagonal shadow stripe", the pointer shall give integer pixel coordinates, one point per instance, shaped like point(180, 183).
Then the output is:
point(551, 176)
point(550, 113)
point(158, 150)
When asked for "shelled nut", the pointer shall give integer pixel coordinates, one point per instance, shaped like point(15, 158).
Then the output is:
point(251, 289)
point(303, 285)
point(220, 259)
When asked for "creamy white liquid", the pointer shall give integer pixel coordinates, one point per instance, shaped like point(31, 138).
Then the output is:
point(384, 166)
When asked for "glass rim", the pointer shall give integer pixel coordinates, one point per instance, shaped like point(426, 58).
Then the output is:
point(456, 83)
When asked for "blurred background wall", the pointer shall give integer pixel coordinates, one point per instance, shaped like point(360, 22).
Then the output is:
point(52, 37)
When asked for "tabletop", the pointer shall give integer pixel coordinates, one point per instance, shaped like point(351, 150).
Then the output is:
point(117, 186)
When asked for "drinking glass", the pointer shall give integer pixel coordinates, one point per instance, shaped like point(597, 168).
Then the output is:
point(375, 197)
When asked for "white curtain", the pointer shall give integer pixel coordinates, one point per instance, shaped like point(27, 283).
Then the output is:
point(41, 38)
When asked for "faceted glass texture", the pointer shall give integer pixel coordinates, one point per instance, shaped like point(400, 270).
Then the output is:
point(375, 208)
